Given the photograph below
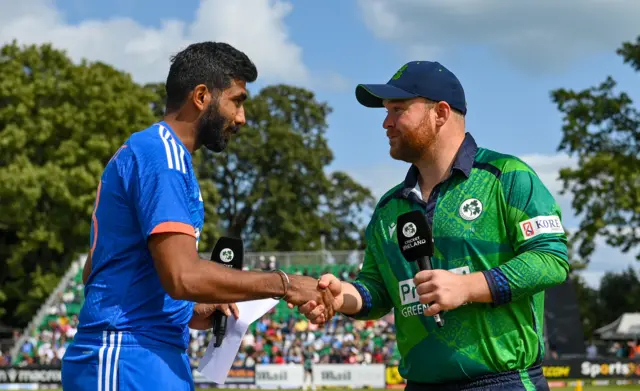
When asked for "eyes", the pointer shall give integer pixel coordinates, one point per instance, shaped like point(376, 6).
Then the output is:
point(239, 99)
point(395, 110)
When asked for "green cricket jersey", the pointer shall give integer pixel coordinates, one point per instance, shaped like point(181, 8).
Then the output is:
point(492, 215)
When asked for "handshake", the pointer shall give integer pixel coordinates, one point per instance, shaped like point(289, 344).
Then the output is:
point(318, 300)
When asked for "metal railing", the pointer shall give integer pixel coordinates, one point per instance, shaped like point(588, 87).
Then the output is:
point(73, 270)
point(301, 258)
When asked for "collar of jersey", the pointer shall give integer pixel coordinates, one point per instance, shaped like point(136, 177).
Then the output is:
point(173, 134)
point(463, 163)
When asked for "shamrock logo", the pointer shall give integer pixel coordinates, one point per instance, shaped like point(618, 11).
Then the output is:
point(471, 209)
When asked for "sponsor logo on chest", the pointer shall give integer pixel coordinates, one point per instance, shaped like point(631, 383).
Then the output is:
point(410, 299)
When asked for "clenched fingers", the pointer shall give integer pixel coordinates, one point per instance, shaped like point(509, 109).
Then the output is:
point(317, 315)
point(328, 303)
point(433, 309)
point(429, 298)
point(229, 309)
point(426, 287)
point(423, 276)
point(234, 310)
point(306, 308)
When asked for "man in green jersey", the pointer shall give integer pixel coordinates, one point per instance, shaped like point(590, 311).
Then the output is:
point(499, 243)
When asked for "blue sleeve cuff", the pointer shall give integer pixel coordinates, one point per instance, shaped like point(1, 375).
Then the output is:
point(367, 302)
point(498, 285)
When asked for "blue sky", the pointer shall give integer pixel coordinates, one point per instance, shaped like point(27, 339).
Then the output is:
point(508, 55)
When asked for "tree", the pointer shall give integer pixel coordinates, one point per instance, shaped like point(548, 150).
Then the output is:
point(619, 293)
point(587, 299)
point(602, 128)
point(60, 123)
point(274, 190)
point(276, 159)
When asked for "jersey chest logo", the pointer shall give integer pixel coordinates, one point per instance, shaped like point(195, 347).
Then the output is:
point(470, 209)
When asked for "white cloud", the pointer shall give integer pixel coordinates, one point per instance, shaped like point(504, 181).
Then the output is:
point(254, 26)
point(538, 36)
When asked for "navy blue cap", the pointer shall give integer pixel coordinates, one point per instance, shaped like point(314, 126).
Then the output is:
point(425, 79)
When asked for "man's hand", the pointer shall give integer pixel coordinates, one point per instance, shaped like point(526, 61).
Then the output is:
point(314, 312)
point(307, 290)
point(202, 317)
point(441, 290)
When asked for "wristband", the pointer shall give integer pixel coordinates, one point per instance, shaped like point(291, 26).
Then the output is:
point(286, 282)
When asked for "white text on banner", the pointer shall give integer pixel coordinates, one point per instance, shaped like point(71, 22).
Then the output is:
point(274, 376)
point(344, 375)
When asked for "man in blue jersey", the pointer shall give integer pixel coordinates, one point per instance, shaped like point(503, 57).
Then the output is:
point(143, 276)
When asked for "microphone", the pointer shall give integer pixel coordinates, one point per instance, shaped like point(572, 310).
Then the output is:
point(415, 240)
point(228, 252)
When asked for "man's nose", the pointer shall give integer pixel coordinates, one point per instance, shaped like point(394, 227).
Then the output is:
point(240, 119)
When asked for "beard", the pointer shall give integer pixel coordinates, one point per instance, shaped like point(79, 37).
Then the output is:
point(214, 130)
point(412, 145)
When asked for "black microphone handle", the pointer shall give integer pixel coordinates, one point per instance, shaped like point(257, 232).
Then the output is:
point(424, 263)
point(219, 327)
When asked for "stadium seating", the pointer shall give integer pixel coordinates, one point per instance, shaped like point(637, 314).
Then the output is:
point(279, 337)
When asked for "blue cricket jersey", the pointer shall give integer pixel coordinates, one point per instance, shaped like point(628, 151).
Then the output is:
point(147, 187)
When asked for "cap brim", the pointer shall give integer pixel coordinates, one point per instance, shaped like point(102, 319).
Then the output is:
point(372, 95)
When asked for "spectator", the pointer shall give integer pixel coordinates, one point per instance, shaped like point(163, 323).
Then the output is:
point(282, 336)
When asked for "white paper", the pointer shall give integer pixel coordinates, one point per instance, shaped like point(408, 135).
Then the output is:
point(217, 362)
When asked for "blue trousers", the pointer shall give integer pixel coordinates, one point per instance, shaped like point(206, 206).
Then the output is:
point(119, 361)
point(531, 379)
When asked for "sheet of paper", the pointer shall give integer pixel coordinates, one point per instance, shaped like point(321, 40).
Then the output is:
point(217, 362)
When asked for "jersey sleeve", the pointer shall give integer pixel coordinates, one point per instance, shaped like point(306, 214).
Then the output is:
point(534, 226)
point(375, 298)
point(158, 187)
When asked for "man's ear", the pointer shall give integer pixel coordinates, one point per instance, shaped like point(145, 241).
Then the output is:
point(201, 97)
point(443, 112)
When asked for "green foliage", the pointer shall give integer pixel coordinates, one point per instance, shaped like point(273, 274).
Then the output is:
point(587, 299)
point(602, 128)
point(618, 293)
point(60, 123)
point(272, 181)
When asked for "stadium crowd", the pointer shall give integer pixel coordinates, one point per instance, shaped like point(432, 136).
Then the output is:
point(280, 337)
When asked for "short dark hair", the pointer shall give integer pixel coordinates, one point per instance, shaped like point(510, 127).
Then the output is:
point(214, 64)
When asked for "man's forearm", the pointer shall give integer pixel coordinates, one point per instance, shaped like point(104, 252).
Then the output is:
point(525, 275)
point(209, 282)
point(352, 299)
point(477, 288)
point(86, 270)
